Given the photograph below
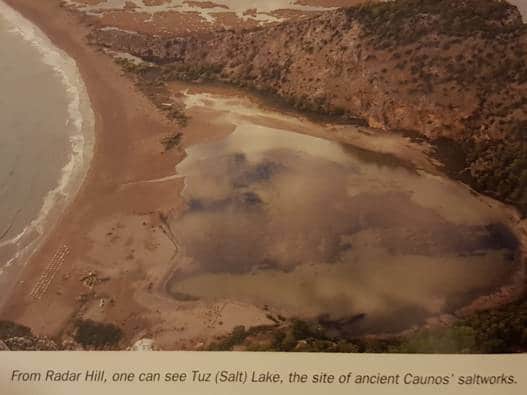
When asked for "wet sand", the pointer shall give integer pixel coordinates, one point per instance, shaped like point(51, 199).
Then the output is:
point(120, 250)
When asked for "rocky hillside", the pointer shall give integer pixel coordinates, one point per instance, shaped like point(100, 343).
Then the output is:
point(83, 335)
point(14, 337)
point(454, 71)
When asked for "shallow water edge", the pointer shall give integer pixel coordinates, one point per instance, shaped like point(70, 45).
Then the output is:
point(80, 120)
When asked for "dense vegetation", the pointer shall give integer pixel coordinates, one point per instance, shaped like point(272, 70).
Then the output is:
point(396, 23)
point(96, 335)
point(9, 329)
point(151, 80)
point(90, 334)
point(16, 337)
point(469, 44)
point(502, 330)
point(499, 168)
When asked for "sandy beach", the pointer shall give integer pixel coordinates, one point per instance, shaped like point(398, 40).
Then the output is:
point(108, 250)
point(110, 255)
point(59, 134)
point(127, 148)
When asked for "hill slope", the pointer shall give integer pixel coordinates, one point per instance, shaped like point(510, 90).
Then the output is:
point(454, 71)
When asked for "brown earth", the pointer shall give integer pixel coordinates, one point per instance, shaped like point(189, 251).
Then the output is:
point(127, 149)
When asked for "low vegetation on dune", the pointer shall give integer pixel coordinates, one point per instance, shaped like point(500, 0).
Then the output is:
point(152, 85)
point(86, 335)
point(16, 337)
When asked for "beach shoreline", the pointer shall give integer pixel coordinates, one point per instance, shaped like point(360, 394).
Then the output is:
point(80, 120)
point(112, 162)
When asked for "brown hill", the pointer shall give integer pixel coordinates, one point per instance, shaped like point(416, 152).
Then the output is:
point(454, 71)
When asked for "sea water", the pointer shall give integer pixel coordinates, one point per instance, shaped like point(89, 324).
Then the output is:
point(45, 140)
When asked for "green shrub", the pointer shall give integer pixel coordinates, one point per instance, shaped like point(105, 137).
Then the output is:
point(236, 337)
point(97, 335)
point(10, 329)
point(171, 141)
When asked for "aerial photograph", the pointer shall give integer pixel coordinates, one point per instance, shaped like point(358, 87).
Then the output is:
point(338, 176)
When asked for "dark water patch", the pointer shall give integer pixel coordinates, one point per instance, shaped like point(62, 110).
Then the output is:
point(500, 236)
point(244, 176)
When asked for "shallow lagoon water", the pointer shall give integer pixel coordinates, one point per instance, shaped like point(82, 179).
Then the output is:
point(310, 228)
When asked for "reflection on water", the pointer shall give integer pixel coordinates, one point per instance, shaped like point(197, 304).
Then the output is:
point(310, 227)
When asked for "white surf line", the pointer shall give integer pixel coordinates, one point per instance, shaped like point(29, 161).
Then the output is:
point(81, 119)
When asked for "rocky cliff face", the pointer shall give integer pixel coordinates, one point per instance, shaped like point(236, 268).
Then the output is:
point(455, 71)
